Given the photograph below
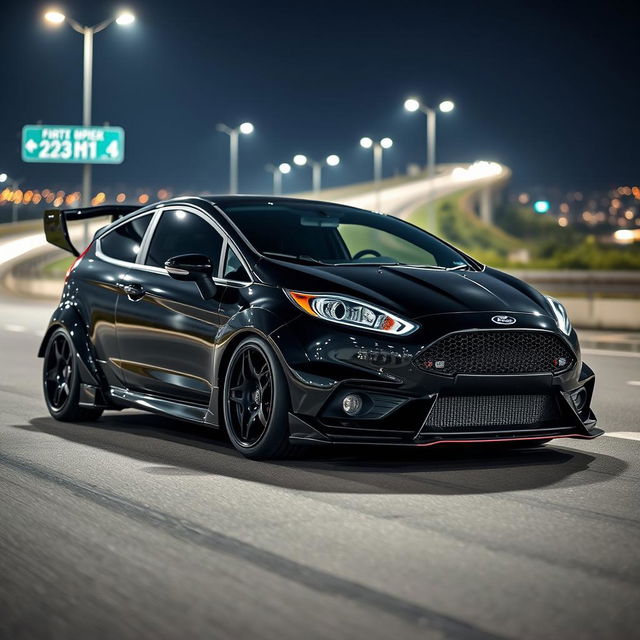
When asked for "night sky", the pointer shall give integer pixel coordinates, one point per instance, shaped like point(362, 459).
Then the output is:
point(551, 89)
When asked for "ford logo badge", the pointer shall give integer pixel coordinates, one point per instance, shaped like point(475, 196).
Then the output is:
point(503, 320)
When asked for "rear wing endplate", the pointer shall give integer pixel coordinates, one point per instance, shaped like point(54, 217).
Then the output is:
point(55, 222)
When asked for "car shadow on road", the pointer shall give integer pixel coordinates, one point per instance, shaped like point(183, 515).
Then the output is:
point(171, 448)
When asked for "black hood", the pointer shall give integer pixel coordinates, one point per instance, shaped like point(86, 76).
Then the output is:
point(411, 291)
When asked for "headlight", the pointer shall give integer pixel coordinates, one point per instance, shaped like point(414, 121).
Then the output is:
point(350, 312)
point(560, 314)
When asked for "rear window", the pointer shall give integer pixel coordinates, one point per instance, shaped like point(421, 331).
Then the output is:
point(123, 243)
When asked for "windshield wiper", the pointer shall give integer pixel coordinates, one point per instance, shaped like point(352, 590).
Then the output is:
point(304, 259)
point(460, 267)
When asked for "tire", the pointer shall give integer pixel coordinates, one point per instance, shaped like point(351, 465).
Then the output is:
point(61, 382)
point(256, 402)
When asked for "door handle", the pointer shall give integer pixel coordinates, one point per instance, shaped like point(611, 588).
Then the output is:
point(134, 291)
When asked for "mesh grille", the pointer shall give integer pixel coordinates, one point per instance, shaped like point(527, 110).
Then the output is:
point(496, 352)
point(490, 412)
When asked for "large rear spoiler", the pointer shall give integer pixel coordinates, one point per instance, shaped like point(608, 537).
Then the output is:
point(55, 222)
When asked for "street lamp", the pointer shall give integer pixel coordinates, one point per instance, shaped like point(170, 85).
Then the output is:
point(5, 178)
point(278, 171)
point(385, 143)
point(412, 105)
point(316, 167)
point(56, 18)
point(245, 128)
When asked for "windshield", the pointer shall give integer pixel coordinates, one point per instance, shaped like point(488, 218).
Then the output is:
point(332, 234)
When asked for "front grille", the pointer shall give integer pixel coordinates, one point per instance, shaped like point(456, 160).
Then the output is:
point(491, 412)
point(496, 352)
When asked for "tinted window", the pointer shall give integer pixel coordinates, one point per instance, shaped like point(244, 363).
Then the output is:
point(180, 232)
point(233, 269)
point(339, 235)
point(123, 243)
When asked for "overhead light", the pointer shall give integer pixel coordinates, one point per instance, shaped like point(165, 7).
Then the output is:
point(446, 106)
point(54, 17)
point(285, 167)
point(246, 128)
point(367, 143)
point(333, 160)
point(411, 104)
point(125, 18)
point(300, 159)
point(385, 143)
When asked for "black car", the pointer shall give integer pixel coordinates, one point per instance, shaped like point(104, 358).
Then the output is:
point(290, 322)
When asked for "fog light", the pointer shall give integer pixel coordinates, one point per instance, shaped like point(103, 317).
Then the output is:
point(352, 404)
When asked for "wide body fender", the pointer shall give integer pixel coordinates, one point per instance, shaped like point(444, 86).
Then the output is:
point(306, 389)
point(67, 317)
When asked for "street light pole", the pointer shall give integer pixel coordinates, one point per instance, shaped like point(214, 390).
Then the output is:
point(412, 104)
point(87, 83)
point(56, 18)
point(316, 176)
point(431, 142)
point(378, 147)
point(245, 128)
point(277, 172)
point(316, 168)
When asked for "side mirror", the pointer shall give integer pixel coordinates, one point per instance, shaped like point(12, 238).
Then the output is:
point(193, 267)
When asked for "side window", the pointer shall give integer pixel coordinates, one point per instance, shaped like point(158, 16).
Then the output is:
point(123, 243)
point(233, 269)
point(180, 232)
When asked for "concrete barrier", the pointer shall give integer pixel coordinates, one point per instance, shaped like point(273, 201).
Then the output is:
point(603, 313)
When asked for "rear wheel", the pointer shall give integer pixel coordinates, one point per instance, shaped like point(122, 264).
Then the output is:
point(256, 402)
point(61, 381)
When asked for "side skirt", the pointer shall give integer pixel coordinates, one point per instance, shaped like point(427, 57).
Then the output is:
point(180, 410)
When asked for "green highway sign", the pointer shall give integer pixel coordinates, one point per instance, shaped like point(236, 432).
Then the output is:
point(81, 145)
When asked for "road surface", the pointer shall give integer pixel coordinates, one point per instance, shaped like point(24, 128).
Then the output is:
point(141, 527)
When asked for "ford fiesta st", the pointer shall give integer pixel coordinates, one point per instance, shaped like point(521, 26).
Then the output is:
point(289, 322)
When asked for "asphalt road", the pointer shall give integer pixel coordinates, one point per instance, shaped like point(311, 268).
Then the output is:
point(141, 527)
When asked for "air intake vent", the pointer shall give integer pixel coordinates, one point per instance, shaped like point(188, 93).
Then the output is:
point(496, 352)
point(486, 413)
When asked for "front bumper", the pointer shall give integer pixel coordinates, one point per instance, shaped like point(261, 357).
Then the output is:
point(406, 405)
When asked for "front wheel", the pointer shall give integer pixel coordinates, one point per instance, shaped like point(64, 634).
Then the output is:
point(256, 402)
point(61, 381)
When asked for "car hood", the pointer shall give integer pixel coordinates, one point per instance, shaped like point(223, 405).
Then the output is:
point(411, 291)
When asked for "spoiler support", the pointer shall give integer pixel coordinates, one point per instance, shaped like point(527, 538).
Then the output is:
point(55, 222)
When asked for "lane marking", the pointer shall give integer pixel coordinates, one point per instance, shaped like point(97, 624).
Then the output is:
point(627, 435)
point(16, 328)
point(611, 352)
point(634, 383)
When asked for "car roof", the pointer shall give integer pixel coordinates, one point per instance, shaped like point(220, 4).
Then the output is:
point(227, 200)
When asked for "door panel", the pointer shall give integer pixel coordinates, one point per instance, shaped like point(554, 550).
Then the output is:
point(166, 333)
point(100, 275)
point(165, 330)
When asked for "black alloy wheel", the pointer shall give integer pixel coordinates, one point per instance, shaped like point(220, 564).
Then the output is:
point(61, 381)
point(256, 402)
